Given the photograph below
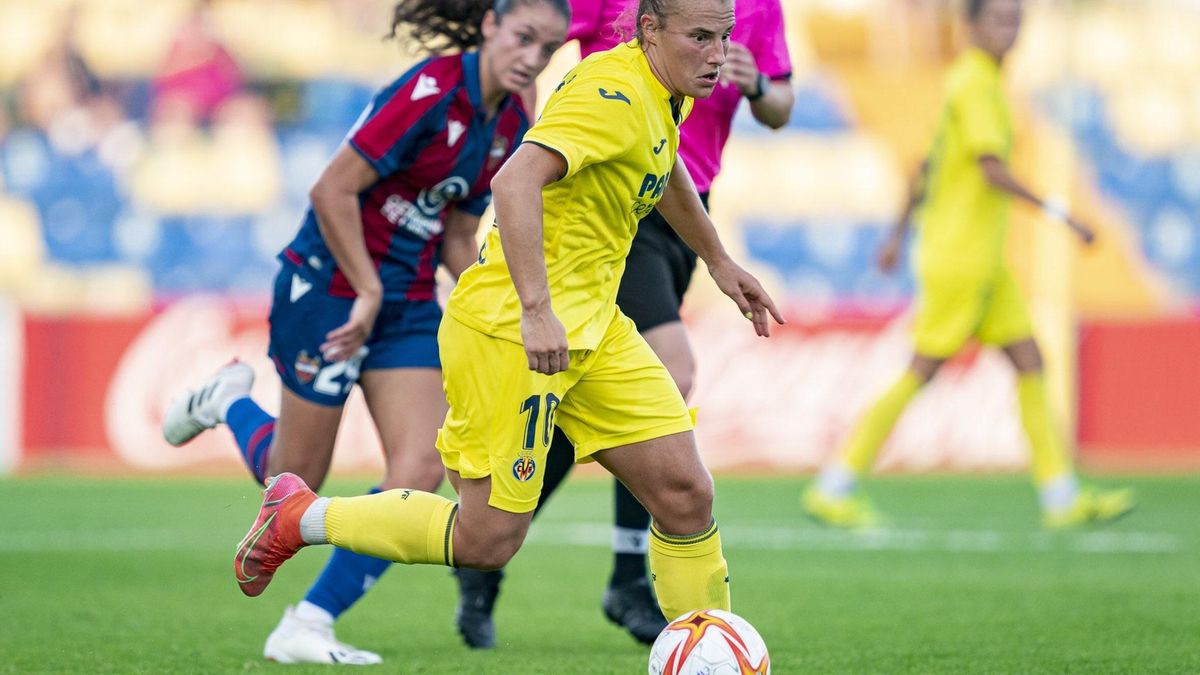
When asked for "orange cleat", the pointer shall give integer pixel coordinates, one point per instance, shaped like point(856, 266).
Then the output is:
point(275, 535)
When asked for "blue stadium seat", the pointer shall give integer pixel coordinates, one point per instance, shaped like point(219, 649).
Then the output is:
point(208, 253)
point(831, 258)
point(332, 104)
point(78, 208)
point(25, 162)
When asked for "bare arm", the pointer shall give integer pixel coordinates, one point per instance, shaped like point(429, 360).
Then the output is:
point(889, 254)
point(774, 108)
point(997, 174)
point(335, 202)
point(682, 208)
point(459, 247)
point(517, 195)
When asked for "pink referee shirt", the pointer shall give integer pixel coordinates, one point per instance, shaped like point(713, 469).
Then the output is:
point(759, 26)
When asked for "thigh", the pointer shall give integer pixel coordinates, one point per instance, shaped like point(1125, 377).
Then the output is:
point(407, 406)
point(303, 438)
point(670, 342)
point(501, 414)
point(668, 478)
point(624, 395)
point(1006, 320)
point(948, 313)
point(299, 324)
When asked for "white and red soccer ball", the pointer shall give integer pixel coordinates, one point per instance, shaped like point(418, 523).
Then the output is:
point(709, 642)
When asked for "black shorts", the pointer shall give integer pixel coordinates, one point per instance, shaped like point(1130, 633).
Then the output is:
point(657, 273)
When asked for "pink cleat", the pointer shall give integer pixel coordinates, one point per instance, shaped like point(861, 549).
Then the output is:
point(275, 535)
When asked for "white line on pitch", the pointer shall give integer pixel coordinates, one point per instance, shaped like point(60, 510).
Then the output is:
point(600, 535)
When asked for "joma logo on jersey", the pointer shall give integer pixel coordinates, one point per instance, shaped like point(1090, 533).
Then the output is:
point(653, 185)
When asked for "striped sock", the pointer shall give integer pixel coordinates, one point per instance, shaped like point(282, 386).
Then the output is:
point(253, 429)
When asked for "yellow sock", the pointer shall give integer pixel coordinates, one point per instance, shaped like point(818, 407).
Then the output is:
point(873, 428)
point(689, 571)
point(407, 526)
point(1048, 455)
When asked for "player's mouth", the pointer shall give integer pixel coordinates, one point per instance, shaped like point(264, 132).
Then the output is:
point(710, 78)
point(521, 77)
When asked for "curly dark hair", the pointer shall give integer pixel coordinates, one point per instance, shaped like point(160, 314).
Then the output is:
point(438, 26)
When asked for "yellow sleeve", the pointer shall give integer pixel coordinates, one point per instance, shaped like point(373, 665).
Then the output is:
point(588, 120)
point(979, 107)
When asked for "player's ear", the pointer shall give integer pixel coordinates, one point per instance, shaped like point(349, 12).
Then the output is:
point(649, 26)
point(491, 24)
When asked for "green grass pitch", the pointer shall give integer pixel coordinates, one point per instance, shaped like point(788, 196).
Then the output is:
point(135, 576)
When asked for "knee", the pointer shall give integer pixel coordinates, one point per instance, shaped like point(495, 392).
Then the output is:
point(425, 474)
point(685, 503)
point(685, 380)
point(485, 557)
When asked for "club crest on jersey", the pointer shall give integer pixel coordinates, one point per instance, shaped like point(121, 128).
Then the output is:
point(498, 152)
point(307, 367)
point(524, 468)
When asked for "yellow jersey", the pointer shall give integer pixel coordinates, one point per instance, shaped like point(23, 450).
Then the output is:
point(963, 220)
point(617, 128)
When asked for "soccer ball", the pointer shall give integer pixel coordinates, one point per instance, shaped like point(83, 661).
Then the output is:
point(709, 642)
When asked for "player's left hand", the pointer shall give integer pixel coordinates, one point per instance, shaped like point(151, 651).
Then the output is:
point(747, 293)
point(344, 341)
point(740, 69)
point(1086, 234)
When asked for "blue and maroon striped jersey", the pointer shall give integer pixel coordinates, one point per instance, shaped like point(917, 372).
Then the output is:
point(427, 137)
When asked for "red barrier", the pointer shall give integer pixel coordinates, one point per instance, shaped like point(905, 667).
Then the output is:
point(69, 362)
point(1139, 393)
point(94, 391)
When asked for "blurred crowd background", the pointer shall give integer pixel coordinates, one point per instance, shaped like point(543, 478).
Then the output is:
point(153, 150)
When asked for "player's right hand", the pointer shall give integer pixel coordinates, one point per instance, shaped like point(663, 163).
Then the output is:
point(545, 341)
point(343, 342)
point(747, 293)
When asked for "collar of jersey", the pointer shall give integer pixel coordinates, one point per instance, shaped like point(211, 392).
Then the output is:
point(470, 66)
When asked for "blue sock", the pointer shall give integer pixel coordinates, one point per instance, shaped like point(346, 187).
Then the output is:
point(346, 577)
point(253, 428)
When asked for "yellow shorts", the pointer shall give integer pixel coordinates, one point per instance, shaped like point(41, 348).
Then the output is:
point(951, 310)
point(502, 414)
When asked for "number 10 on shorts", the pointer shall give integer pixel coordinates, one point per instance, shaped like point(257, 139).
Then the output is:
point(532, 408)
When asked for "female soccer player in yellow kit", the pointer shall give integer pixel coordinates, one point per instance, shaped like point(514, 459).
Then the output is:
point(966, 289)
point(532, 335)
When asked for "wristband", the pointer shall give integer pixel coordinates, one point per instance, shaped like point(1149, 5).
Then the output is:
point(762, 82)
point(1056, 208)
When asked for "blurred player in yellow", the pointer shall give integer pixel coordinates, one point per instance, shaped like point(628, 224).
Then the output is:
point(965, 289)
point(532, 335)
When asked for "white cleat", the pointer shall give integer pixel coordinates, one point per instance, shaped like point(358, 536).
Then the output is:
point(203, 408)
point(295, 640)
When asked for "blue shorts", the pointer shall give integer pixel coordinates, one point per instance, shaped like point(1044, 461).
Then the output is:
point(302, 313)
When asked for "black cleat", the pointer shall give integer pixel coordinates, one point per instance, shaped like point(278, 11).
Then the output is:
point(477, 591)
point(632, 606)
